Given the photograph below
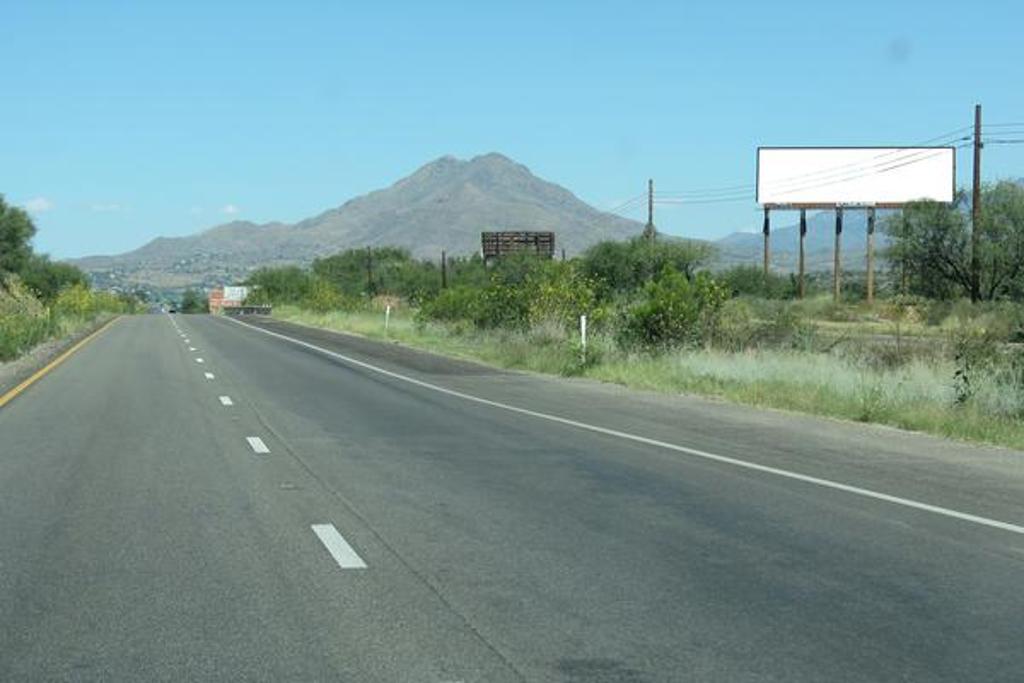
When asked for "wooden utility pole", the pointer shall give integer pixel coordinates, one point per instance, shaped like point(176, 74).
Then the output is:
point(837, 269)
point(649, 231)
point(871, 255)
point(801, 268)
point(444, 270)
point(976, 209)
point(766, 229)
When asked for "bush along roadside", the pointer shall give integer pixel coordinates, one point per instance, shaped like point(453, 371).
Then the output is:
point(26, 322)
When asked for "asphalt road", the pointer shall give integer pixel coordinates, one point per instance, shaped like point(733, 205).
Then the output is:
point(363, 512)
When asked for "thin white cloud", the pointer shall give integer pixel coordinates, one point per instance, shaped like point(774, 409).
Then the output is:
point(230, 209)
point(38, 205)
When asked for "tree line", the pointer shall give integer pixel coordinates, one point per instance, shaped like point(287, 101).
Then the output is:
point(41, 298)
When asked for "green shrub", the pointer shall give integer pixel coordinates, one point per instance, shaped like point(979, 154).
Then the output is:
point(451, 305)
point(787, 327)
point(737, 329)
point(752, 281)
point(674, 311)
point(193, 301)
point(48, 278)
point(19, 333)
point(559, 294)
point(323, 297)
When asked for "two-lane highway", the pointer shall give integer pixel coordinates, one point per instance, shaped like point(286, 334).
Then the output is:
point(308, 506)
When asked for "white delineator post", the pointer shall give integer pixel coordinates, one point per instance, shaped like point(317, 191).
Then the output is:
point(387, 317)
point(583, 337)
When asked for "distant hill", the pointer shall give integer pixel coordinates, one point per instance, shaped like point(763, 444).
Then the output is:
point(443, 205)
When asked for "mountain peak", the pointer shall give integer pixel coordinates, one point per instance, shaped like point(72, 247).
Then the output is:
point(443, 205)
point(493, 158)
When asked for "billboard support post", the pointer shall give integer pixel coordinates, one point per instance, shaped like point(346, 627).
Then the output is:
point(802, 264)
point(837, 268)
point(767, 240)
point(871, 255)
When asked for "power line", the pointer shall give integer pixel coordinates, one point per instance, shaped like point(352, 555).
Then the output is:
point(821, 173)
point(626, 203)
point(720, 200)
point(856, 170)
point(880, 163)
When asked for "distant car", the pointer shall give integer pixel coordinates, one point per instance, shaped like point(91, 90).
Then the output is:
point(172, 309)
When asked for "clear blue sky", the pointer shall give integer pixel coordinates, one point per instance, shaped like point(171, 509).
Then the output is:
point(123, 121)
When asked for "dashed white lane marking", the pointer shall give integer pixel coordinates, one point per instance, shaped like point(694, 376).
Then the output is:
point(208, 375)
point(338, 547)
point(199, 360)
point(226, 401)
point(257, 445)
point(192, 348)
point(636, 438)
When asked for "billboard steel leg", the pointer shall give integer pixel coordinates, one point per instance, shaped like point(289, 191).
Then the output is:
point(837, 269)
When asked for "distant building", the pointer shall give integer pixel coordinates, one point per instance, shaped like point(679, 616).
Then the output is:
point(495, 244)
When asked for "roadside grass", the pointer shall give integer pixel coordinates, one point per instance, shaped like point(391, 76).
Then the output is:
point(19, 334)
point(25, 322)
point(917, 395)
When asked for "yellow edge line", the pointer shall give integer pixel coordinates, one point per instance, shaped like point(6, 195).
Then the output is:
point(9, 396)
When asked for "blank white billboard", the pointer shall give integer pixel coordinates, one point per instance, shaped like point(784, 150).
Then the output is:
point(852, 176)
point(236, 294)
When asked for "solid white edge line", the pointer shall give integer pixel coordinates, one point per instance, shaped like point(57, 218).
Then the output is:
point(226, 401)
point(257, 445)
point(338, 547)
point(826, 483)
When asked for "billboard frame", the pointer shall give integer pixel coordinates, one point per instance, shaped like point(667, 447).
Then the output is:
point(850, 205)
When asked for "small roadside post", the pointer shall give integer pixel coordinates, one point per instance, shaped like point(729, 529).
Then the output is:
point(387, 317)
point(583, 339)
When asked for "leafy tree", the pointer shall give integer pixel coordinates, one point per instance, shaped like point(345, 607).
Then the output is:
point(931, 246)
point(193, 301)
point(624, 267)
point(323, 296)
point(48, 278)
point(364, 271)
point(1002, 252)
point(289, 284)
point(16, 231)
